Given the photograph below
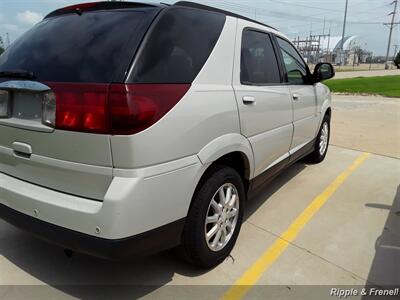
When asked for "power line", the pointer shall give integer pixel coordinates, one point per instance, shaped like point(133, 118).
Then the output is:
point(267, 12)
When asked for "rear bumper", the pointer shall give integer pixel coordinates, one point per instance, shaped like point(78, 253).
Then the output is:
point(139, 206)
point(149, 242)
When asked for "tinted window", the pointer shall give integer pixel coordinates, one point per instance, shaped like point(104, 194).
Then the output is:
point(296, 69)
point(178, 46)
point(258, 59)
point(94, 47)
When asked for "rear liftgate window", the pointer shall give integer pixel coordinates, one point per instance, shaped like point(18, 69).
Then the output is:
point(178, 47)
point(78, 56)
point(95, 47)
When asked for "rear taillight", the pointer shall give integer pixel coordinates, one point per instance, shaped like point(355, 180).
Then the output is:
point(119, 109)
point(135, 107)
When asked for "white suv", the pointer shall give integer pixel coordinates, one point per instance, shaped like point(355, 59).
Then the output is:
point(128, 128)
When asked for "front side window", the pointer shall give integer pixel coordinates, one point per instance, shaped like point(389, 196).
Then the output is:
point(259, 65)
point(296, 69)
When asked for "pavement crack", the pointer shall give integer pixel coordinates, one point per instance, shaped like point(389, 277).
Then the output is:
point(352, 274)
point(361, 150)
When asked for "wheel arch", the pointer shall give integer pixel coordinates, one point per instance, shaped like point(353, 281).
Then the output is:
point(232, 150)
point(328, 112)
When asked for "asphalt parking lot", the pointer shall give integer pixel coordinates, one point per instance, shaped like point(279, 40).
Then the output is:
point(333, 224)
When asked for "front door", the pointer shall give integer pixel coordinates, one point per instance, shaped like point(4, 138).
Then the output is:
point(305, 117)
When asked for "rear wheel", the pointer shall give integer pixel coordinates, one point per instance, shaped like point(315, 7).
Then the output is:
point(215, 218)
point(321, 143)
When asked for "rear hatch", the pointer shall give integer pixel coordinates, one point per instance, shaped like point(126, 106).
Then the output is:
point(54, 83)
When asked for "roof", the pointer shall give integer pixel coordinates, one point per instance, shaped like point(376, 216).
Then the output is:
point(78, 8)
point(221, 11)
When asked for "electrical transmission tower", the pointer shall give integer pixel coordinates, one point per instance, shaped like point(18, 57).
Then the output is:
point(391, 25)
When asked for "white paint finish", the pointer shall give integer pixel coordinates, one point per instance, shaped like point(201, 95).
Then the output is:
point(72, 162)
point(132, 205)
point(228, 143)
point(305, 116)
point(70, 177)
point(270, 146)
point(272, 108)
point(157, 169)
point(25, 197)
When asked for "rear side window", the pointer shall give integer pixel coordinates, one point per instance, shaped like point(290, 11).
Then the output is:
point(178, 46)
point(96, 46)
point(258, 60)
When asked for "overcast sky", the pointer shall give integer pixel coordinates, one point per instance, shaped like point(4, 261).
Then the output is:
point(292, 17)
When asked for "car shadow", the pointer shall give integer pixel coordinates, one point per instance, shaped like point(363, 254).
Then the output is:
point(385, 268)
point(258, 197)
point(86, 277)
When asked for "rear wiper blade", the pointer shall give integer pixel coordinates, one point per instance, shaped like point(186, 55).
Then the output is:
point(18, 74)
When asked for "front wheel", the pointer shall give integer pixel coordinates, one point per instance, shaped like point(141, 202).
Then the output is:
point(321, 143)
point(215, 218)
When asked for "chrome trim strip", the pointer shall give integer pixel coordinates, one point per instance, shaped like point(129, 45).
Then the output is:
point(24, 85)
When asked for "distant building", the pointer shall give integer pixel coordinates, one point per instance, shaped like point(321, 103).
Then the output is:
point(332, 47)
point(324, 48)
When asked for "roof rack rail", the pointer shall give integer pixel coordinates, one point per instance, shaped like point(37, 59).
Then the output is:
point(79, 8)
point(214, 9)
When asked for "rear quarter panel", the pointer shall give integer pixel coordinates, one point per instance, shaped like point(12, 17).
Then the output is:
point(206, 112)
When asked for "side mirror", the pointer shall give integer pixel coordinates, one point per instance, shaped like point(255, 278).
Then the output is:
point(323, 71)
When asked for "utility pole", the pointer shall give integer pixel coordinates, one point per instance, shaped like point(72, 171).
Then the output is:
point(8, 39)
point(370, 61)
point(310, 48)
point(391, 26)
point(329, 44)
point(342, 59)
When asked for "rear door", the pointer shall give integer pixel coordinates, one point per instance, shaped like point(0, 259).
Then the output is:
point(264, 103)
point(73, 57)
point(305, 117)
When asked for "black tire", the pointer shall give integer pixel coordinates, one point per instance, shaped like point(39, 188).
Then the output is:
point(194, 246)
point(316, 156)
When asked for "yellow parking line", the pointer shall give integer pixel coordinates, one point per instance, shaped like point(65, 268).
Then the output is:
point(253, 274)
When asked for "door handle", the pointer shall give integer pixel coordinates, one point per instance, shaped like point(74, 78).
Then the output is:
point(249, 100)
point(22, 150)
point(296, 97)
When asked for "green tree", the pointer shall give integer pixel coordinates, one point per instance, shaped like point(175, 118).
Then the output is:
point(1, 50)
point(397, 60)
